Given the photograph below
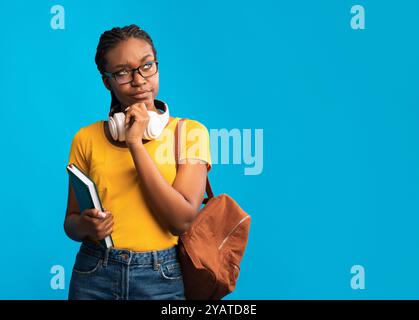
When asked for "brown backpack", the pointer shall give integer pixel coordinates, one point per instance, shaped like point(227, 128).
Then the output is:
point(211, 250)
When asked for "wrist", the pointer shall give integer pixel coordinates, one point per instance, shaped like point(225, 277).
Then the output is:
point(135, 145)
point(73, 227)
point(80, 227)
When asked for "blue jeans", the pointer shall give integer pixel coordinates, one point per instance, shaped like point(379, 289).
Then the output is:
point(116, 274)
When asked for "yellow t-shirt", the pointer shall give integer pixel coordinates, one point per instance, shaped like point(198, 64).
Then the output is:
point(112, 169)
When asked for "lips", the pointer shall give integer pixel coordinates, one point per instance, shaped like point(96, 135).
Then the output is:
point(139, 93)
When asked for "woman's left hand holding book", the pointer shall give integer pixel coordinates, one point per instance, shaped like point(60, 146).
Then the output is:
point(96, 225)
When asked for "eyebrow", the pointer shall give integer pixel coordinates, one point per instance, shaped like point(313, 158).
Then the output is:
point(127, 65)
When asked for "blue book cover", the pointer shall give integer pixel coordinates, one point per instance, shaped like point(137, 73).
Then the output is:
point(86, 194)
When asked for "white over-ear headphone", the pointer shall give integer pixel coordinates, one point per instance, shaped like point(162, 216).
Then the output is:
point(155, 126)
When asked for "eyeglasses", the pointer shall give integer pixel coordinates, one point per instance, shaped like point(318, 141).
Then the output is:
point(146, 70)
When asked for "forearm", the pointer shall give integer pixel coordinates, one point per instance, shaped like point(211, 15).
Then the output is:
point(164, 200)
point(72, 227)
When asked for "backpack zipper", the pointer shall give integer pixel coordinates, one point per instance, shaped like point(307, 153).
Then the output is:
point(232, 230)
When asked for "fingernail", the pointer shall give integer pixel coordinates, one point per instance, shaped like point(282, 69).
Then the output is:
point(102, 214)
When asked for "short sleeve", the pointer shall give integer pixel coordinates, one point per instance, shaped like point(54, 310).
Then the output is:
point(78, 152)
point(195, 142)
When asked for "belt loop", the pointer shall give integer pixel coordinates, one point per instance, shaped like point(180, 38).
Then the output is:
point(155, 260)
point(105, 261)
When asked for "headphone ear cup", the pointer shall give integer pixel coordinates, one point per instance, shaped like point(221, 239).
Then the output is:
point(120, 125)
point(153, 129)
point(112, 128)
point(117, 126)
point(156, 123)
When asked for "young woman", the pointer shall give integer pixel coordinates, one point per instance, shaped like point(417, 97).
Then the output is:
point(149, 203)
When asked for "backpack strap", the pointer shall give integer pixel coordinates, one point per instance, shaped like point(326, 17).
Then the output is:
point(178, 129)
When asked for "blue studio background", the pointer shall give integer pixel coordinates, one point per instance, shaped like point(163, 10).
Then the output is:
point(339, 113)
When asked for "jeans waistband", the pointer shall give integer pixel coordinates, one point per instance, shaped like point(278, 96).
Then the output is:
point(154, 257)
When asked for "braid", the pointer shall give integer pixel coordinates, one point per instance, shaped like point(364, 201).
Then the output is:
point(108, 40)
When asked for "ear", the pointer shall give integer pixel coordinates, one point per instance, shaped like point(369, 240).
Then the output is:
point(105, 80)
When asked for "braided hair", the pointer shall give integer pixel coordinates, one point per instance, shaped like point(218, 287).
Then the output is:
point(108, 40)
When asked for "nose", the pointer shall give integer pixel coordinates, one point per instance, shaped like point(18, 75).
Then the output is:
point(137, 78)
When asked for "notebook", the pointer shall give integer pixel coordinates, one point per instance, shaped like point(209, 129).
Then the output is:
point(86, 194)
